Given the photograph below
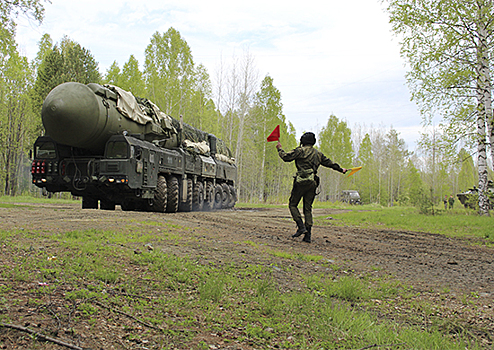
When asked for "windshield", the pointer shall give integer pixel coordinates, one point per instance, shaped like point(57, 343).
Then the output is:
point(46, 150)
point(117, 150)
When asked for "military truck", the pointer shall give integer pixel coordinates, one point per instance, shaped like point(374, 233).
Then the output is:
point(110, 148)
point(470, 198)
point(350, 196)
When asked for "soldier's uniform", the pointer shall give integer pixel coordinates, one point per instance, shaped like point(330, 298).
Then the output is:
point(306, 157)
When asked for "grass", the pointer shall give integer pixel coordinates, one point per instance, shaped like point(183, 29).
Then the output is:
point(30, 199)
point(244, 302)
point(453, 223)
point(177, 299)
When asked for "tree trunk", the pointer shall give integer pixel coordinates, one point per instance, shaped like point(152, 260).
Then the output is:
point(484, 114)
point(262, 172)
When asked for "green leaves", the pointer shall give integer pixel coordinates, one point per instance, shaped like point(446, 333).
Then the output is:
point(68, 61)
point(169, 72)
point(449, 45)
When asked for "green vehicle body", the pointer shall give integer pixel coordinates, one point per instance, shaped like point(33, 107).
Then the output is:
point(93, 150)
point(470, 198)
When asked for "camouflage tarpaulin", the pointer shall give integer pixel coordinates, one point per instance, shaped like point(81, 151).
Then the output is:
point(191, 133)
point(144, 111)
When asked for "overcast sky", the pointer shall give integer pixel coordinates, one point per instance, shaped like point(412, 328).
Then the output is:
point(326, 57)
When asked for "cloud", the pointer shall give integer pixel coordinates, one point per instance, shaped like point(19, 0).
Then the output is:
point(325, 57)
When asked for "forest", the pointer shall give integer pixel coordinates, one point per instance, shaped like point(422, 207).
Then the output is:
point(449, 75)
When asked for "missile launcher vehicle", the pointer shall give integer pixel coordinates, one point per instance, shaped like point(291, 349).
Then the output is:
point(110, 148)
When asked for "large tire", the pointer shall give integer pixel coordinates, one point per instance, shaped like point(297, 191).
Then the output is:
point(233, 192)
point(218, 196)
point(198, 196)
point(106, 205)
point(187, 205)
point(173, 195)
point(128, 205)
point(226, 196)
point(160, 199)
point(89, 203)
point(209, 196)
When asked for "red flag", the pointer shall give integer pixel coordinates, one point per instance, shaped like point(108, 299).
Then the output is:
point(275, 135)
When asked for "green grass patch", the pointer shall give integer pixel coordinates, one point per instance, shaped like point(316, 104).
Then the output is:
point(455, 223)
point(12, 205)
point(34, 200)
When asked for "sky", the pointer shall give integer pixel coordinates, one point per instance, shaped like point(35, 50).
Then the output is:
point(325, 56)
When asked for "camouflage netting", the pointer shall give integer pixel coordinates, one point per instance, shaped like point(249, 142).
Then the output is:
point(191, 133)
point(140, 110)
point(199, 136)
point(143, 111)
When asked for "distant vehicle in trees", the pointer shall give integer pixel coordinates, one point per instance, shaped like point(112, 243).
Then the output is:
point(470, 198)
point(350, 196)
point(107, 146)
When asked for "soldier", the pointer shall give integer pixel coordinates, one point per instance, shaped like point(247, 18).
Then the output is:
point(307, 160)
point(451, 201)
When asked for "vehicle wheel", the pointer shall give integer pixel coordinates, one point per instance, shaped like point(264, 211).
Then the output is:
point(173, 195)
point(89, 203)
point(226, 196)
point(160, 195)
point(198, 196)
point(128, 205)
point(218, 196)
point(209, 203)
point(233, 197)
point(187, 205)
point(107, 205)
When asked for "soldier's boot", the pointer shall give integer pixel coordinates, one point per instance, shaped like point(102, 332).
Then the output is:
point(307, 237)
point(301, 229)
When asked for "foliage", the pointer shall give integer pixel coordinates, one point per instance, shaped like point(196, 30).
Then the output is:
point(448, 45)
point(364, 181)
point(16, 118)
point(244, 114)
point(9, 11)
point(335, 142)
point(130, 78)
point(467, 177)
point(271, 176)
point(62, 63)
point(169, 72)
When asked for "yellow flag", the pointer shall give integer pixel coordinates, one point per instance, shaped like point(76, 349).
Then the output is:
point(354, 170)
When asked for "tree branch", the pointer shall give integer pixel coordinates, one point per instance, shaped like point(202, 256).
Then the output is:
point(40, 336)
point(128, 315)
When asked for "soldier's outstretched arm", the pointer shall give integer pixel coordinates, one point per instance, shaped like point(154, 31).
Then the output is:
point(288, 156)
point(328, 163)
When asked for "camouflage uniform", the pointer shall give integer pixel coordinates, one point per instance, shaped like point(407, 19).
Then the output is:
point(305, 157)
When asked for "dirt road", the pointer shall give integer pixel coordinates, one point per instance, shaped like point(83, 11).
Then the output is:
point(445, 270)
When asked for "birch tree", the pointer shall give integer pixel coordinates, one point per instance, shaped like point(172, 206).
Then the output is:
point(396, 159)
point(448, 45)
point(335, 142)
point(267, 114)
point(16, 119)
point(131, 78)
point(169, 72)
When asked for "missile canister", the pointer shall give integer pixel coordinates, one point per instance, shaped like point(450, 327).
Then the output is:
point(86, 116)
